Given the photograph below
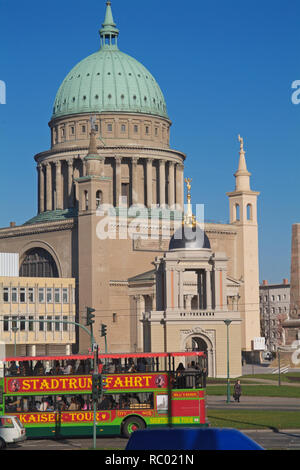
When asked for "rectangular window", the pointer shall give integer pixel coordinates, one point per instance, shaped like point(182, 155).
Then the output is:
point(6, 294)
point(41, 295)
point(72, 130)
point(114, 317)
point(135, 129)
point(147, 130)
point(6, 323)
point(57, 324)
point(96, 127)
point(31, 294)
point(41, 323)
point(109, 127)
point(22, 295)
point(57, 295)
point(83, 129)
point(14, 294)
point(49, 324)
point(123, 128)
point(14, 322)
point(49, 295)
point(30, 324)
point(65, 295)
point(22, 324)
point(156, 131)
point(65, 325)
point(125, 194)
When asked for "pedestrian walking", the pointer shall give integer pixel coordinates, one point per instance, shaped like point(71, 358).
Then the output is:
point(237, 391)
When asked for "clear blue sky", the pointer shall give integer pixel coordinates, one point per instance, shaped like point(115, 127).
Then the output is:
point(225, 68)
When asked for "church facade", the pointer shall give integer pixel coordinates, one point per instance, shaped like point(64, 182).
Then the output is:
point(110, 155)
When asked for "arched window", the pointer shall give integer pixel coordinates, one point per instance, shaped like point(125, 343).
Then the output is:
point(249, 212)
point(86, 200)
point(38, 263)
point(99, 198)
point(237, 212)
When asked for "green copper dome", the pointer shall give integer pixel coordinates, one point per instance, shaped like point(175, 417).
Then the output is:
point(109, 81)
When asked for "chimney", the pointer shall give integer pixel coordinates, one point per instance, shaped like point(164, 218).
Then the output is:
point(12, 224)
point(265, 283)
point(285, 281)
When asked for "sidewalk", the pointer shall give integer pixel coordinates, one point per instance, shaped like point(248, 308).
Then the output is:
point(280, 403)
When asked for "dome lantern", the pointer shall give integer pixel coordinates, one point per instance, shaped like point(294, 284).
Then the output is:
point(109, 32)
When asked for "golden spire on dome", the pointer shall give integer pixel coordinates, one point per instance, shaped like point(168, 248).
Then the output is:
point(189, 218)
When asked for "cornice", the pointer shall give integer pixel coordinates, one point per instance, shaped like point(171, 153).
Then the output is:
point(25, 230)
point(108, 152)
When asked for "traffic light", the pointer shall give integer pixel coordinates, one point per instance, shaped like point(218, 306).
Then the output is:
point(103, 330)
point(96, 386)
point(89, 316)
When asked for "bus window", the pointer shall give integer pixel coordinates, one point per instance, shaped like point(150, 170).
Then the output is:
point(126, 401)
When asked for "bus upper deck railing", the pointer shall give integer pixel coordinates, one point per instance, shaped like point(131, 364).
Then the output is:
point(107, 364)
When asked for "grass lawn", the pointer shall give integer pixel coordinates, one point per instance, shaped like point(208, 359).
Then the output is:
point(255, 390)
point(254, 419)
point(283, 377)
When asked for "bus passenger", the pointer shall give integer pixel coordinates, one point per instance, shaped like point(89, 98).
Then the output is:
point(106, 403)
point(180, 378)
point(13, 369)
point(61, 404)
point(133, 400)
point(124, 402)
point(73, 406)
point(44, 405)
point(68, 368)
point(39, 369)
point(81, 368)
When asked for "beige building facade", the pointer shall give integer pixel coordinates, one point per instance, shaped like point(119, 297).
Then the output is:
point(110, 155)
point(35, 315)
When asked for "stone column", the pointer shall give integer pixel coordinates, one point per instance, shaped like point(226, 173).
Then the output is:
point(83, 165)
point(208, 291)
point(180, 289)
point(179, 185)
point(48, 187)
point(58, 185)
point(41, 188)
point(140, 309)
point(134, 183)
point(224, 293)
point(118, 163)
point(188, 302)
point(171, 191)
point(70, 183)
point(218, 281)
point(149, 182)
point(162, 183)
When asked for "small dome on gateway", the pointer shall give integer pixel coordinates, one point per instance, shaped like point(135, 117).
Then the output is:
point(109, 81)
point(189, 238)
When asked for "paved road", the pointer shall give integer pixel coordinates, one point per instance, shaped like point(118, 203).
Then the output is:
point(269, 440)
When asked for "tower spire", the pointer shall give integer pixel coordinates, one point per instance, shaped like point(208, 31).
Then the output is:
point(242, 176)
point(109, 32)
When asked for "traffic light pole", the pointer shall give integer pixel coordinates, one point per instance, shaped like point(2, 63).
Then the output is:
point(95, 398)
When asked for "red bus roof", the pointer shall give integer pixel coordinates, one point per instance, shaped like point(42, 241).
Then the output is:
point(103, 356)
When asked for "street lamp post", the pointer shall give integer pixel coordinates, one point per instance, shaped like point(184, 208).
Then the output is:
point(227, 323)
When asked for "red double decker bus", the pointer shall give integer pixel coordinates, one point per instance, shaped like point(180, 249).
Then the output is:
point(52, 396)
